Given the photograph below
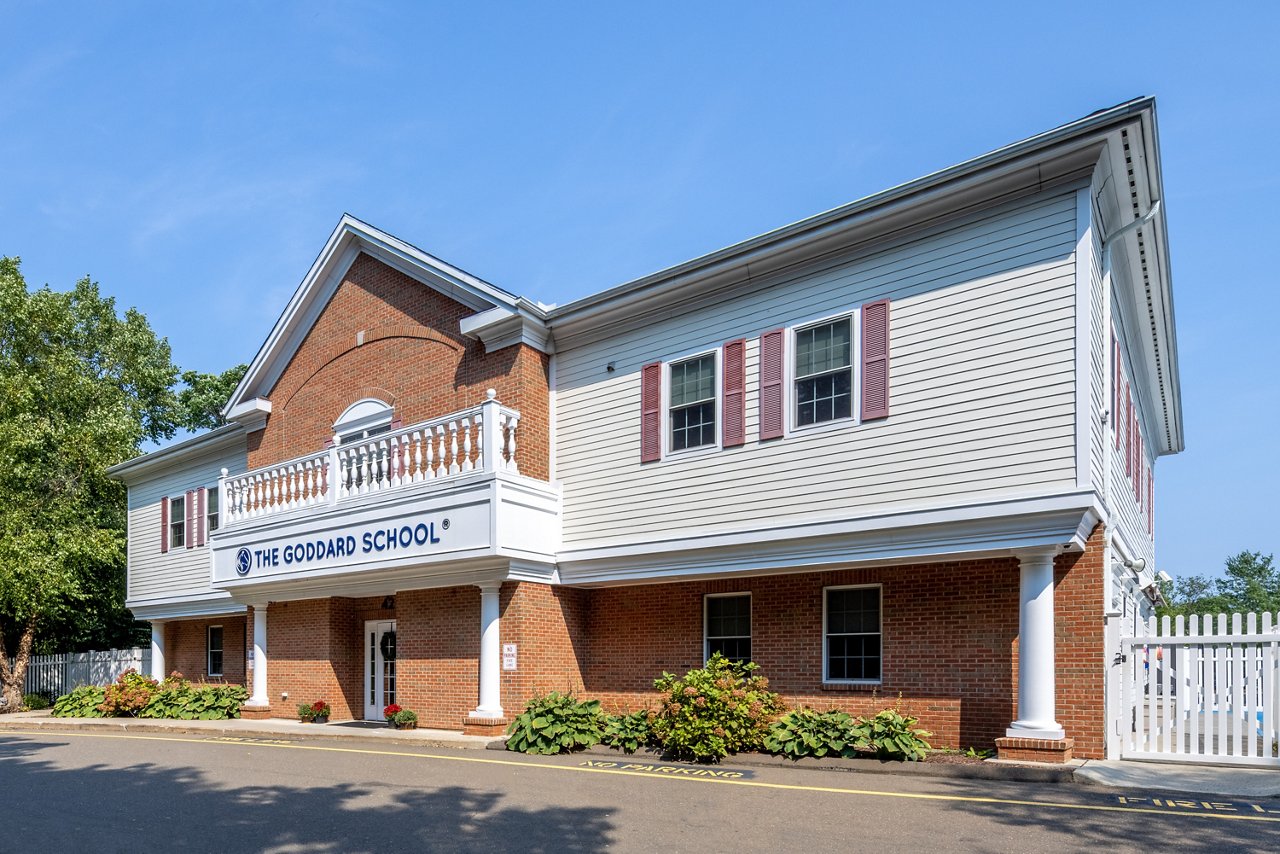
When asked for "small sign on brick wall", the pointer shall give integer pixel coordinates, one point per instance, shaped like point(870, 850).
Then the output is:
point(509, 656)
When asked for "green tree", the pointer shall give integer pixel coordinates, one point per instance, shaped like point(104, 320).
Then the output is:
point(204, 395)
point(1250, 582)
point(81, 388)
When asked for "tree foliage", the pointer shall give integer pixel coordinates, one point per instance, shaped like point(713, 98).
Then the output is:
point(201, 400)
point(82, 387)
point(1250, 582)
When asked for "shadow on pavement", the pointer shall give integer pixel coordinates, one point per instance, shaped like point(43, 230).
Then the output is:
point(146, 807)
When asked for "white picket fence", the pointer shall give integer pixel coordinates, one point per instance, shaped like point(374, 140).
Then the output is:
point(54, 675)
point(1202, 689)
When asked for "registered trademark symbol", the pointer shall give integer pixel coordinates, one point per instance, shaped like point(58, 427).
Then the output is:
point(445, 524)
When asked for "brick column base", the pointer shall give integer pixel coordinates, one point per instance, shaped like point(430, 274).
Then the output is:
point(496, 727)
point(1035, 749)
point(255, 713)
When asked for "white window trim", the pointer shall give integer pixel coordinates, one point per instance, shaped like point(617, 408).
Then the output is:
point(667, 453)
point(180, 520)
point(208, 650)
point(826, 678)
point(790, 427)
point(346, 430)
point(209, 492)
point(706, 641)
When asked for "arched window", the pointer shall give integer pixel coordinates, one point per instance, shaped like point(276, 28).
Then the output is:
point(362, 419)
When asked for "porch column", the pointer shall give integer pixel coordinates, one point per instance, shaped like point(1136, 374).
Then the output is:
point(259, 697)
point(157, 650)
point(1036, 698)
point(490, 653)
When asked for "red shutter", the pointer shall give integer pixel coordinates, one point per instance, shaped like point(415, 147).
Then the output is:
point(875, 360)
point(189, 530)
point(1128, 427)
point(771, 396)
point(202, 514)
point(734, 380)
point(1115, 388)
point(651, 412)
point(164, 524)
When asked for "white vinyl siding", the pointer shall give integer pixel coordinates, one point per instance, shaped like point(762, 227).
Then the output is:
point(180, 571)
point(1130, 514)
point(982, 389)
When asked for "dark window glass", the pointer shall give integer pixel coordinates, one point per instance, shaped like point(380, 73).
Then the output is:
point(824, 373)
point(177, 522)
point(215, 650)
point(211, 507)
point(729, 626)
point(853, 634)
point(693, 403)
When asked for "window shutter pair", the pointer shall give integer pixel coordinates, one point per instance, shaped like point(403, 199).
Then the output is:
point(874, 371)
point(733, 396)
point(874, 379)
point(195, 502)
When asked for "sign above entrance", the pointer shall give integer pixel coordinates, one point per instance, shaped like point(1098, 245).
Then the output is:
point(354, 542)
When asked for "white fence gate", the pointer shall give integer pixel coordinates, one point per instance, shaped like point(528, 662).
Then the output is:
point(53, 675)
point(1200, 690)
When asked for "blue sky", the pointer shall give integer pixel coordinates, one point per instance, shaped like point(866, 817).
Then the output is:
point(194, 157)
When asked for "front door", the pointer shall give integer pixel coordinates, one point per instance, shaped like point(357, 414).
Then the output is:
point(379, 667)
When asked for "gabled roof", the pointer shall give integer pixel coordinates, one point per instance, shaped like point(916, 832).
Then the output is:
point(349, 239)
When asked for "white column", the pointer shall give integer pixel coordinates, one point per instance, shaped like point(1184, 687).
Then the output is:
point(157, 650)
point(259, 697)
point(490, 654)
point(1036, 697)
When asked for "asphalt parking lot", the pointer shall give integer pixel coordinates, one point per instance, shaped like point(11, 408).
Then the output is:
point(66, 791)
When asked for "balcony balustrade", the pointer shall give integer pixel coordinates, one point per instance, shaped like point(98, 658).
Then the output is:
point(479, 439)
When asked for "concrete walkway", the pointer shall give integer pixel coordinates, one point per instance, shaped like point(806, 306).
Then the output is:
point(1182, 777)
point(239, 728)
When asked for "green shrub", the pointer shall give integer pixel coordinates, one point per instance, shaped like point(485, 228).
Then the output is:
point(35, 702)
point(805, 732)
point(893, 735)
point(405, 716)
point(129, 694)
point(713, 711)
point(83, 702)
point(630, 732)
point(556, 723)
point(187, 702)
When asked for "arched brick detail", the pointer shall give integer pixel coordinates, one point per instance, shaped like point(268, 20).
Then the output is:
point(412, 355)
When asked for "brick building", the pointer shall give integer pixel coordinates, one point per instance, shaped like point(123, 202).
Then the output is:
point(901, 449)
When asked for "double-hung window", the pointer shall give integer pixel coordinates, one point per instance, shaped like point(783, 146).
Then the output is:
point(177, 522)
point(824, 372)
point(211, 508)
point(692, 403)
point(214, 647)
point(728, 626)
point(852, 634)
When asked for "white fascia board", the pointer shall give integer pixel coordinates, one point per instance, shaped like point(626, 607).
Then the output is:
point(216, 439)
point(1060, 522)
point(501, 327)
point(345, 243)
point(175, 607)
point(386, 582)
point(251, 414)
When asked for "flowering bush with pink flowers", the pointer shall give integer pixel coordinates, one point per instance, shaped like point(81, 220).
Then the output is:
point(710, 712)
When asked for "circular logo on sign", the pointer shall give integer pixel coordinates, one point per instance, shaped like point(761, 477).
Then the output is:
point(244, 560)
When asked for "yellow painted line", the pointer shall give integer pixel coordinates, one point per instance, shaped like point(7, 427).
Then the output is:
point(755, 784)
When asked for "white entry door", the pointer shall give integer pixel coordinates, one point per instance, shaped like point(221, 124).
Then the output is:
point(379, 667)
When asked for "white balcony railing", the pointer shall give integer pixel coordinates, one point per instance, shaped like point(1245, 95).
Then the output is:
point(482, 438)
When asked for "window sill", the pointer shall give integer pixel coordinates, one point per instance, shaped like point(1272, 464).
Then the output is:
point(855, 687)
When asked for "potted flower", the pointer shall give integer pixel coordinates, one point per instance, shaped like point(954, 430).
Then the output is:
point(315, 713)
point(398, 718)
